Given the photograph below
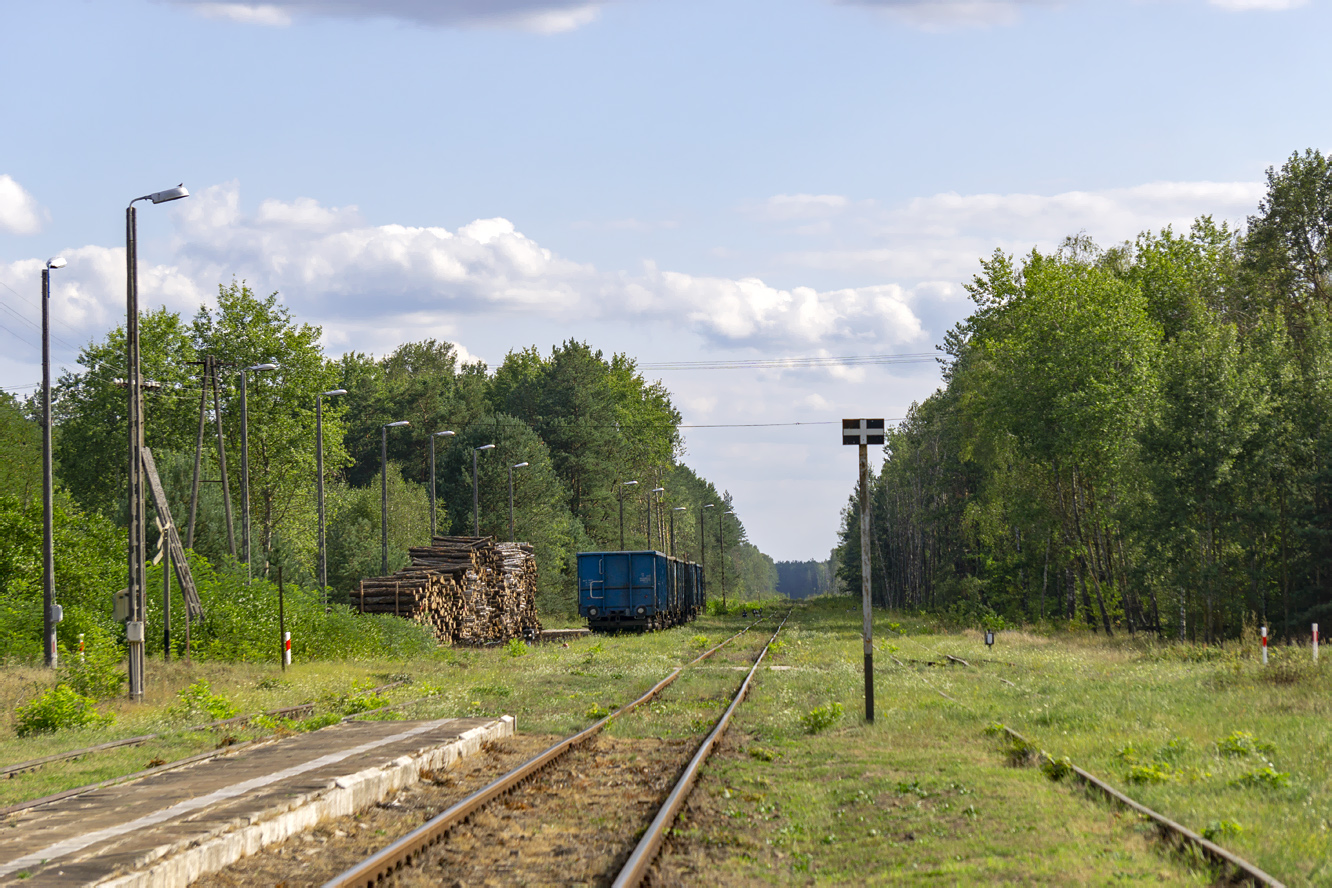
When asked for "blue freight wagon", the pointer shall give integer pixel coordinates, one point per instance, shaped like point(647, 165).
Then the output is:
point(638, 590)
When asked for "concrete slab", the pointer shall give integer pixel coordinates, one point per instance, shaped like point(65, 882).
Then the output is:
point(169, 829)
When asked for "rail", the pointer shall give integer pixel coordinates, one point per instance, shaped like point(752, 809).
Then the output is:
point(387, 861)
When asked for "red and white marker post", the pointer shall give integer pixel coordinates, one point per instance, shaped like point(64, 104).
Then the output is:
point(286, 648)
point(1264, 645)
point(1315, 637)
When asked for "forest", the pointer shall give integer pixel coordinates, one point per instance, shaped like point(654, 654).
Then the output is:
point(583, 423)
point(1133, 438)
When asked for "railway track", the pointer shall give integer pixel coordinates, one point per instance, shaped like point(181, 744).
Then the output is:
point(1240, 871)
point(545, 780)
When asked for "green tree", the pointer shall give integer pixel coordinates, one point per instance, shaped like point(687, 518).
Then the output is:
point(20, 450)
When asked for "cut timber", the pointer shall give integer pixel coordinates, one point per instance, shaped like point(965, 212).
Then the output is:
point(193, 607)
point(468, 590)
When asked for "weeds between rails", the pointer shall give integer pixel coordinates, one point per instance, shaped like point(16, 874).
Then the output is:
point(411, 848)
point(1232, 868)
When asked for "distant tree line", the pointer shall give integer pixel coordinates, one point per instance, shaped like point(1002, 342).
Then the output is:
point(1135, 438)
point(583, 422)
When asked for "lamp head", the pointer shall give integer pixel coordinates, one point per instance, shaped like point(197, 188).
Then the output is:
point(709, 505)
point(728, 512)
point(680, 509)
point(486, 447)
point(267, 366)
point(628, 483)
point(56, 262)
point(334, 392)
point(444, 434)
point(519, 465)
point(658, 490)
point(398, 424)
point(176, 193)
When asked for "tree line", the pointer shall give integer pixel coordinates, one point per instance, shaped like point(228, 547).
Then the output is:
point(583, 422)
point(1134, 438)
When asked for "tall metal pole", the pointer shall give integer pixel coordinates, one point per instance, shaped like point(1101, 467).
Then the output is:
point(476, 498)
point(48, 507)
point(319, 484)
point(432, 490)
point(222, 459)
point(245, 481)
point(621, 519)
point(671, 547)
point(137, 569)
point(383, 499)
point(511, 534)
point(198, 451)
point(865, 582)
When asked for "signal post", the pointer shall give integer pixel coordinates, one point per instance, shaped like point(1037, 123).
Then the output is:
point(862, 433)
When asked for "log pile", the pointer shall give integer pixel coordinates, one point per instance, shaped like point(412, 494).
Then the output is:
point(469, 590)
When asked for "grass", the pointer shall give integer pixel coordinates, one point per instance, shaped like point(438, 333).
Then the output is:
point(802, 793)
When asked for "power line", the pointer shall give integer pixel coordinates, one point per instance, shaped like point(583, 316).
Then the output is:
point(796, 363)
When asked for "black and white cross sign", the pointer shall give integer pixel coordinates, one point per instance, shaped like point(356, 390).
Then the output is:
point(862, 431)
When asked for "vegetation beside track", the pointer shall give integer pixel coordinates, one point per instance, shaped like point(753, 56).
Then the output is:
point(924, 793)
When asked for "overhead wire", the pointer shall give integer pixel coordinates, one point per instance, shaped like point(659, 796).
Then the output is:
point(795, 363)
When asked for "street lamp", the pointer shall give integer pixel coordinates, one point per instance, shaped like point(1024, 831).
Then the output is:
point(319, 470)
point(721, 544)
point(433, 436)
point(138, 604)
point(511, 468)
point(245, 466)
point(703, 542)
point(383, 490)
point(476, 491)
point(623, 485)
point(50, 617)
point(673, 511)
point(652, 506)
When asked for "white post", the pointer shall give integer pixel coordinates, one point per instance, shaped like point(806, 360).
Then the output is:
point(1315, 639)
point(1264, 645)
point(286, 648)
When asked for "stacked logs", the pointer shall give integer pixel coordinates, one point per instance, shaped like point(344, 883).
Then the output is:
point(469, 590)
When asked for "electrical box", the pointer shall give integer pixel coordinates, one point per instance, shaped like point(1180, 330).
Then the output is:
point(57, 613)
point(121, 610)
point(134, 631)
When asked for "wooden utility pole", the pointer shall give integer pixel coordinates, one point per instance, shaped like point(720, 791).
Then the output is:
point(862, 433)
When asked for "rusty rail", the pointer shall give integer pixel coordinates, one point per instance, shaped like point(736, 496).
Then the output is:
point(384, 863)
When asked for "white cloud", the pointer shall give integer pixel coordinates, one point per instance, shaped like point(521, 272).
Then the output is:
point(540, 16)
point(784, 207)
point(1260, 5)
point(945, 14)
point(940, 237)
point(245, 13)
point(19, 212)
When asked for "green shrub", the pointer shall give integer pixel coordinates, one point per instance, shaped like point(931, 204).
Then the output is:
point(1155, 772)
point(596, 710)
point(516, 648)
point(60, 707)
point(821, 718)
point(699, 642)
point(1241, 743)
point(198, 699)
point(353, 704)
point(1266, 777)
point(1056, 768)
point(97, 673)
point(1219, 829)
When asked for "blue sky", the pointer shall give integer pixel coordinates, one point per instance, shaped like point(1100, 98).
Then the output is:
point(678, 180)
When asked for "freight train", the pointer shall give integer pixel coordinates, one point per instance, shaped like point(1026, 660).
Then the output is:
point(638, 590)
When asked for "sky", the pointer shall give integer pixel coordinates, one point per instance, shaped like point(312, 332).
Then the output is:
point(724, 181)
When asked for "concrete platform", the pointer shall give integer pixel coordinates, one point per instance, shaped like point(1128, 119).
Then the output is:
point(169, 829)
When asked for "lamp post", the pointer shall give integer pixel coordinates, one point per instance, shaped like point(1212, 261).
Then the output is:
point(511, 468)
point(49, 619)
point(433, 436)
point(383, 490)
point(623, 485)
point(652, 507)
point(319, 470)
point(673, 511)
point(476, 491)
point(245, 466)
point(703, 543)
point(137, 549)
point(721, 544)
